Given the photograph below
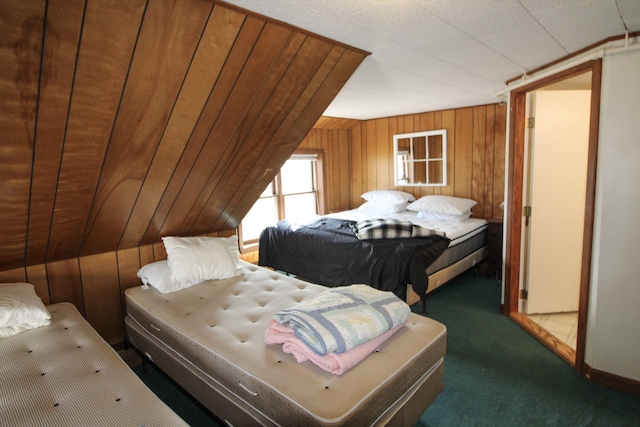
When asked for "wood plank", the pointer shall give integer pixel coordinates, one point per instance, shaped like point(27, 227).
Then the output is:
point(166, 44)
point(209, 59)
point(62, 34)
point(478, 160)
point(101, 289)
point(489, 148)
point(382, 154)
point(37, 276)
point(327, 80)
point(261, 80)
point(463, 155)
point(146, 254)
point(499, 172)
point(240, 53)
point(372, 153)
point(17, 275)
point(449, 123)
point(109, 26)
point(65, 283)
point(21, 26)
point(357, 170)
point(344, 147)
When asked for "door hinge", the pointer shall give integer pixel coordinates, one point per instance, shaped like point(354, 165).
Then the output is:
point(526, 211)
point(531, 122)
point(524, 294)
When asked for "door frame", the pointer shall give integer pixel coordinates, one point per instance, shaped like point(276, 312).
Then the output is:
point(515, 182)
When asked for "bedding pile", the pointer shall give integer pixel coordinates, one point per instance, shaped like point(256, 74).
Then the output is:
point(339, 327)
point(328, 252)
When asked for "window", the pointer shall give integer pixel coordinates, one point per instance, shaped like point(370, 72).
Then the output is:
point(421, 158)
point(295, 192)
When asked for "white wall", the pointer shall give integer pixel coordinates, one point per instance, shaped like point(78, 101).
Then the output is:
point(613, 327)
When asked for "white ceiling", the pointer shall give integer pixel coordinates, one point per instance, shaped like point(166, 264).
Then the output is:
point(429, 55)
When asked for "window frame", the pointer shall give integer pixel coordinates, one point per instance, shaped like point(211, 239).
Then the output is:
point(252, 244)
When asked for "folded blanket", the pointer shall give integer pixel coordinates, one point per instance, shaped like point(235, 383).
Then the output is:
point(383, 229)
point(342, 318)
point(335, 363)
point(369, 229)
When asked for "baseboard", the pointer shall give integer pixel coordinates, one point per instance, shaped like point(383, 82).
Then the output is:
point(617, 382)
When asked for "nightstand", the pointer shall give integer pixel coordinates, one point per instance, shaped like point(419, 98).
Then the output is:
point(494, 249)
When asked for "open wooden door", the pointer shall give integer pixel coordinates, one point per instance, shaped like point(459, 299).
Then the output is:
point(557, 179)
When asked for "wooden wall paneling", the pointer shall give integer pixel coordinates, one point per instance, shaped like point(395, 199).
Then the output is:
point(499, 173)
point(166, 44)
point(37, 276)
point(146, 254)
point(228, 173)
point(449, 123)
point(102, 301)
point(129, 262)
point(344, 146)
point(357, 170)
point(478, 158)
point(383, 153)
point(396, 125)
point(65, 283)
point(489, 208)
point(21, 27)
point(209, 58)
point(108, 39)
point(327, 79)
point(14, 276)
point(222, 142)
point(463, 153)
point(60, 49)
point(286, 80)
point(238, 56)
point(159, 251)
point(470, 173)
point(372, 153)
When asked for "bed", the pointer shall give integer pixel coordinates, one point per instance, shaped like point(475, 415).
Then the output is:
point(209, 337)
point(298, 249)
point(64, 373)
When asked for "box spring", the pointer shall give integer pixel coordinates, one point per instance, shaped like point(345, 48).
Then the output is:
point(210, 339)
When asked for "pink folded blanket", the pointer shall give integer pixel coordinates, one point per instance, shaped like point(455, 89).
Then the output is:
point(335, 363)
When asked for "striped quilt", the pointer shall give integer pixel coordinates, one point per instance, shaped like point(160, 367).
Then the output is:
point(339, 319)
point(381, 228)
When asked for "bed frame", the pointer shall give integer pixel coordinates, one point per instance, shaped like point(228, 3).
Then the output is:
point(210, 339)
point(65, 374)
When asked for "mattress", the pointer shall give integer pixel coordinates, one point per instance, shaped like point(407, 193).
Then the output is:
point(65, 374)
point(210, 339)
point(457, 232)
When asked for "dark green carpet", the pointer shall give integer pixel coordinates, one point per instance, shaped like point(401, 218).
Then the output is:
point(496, 374)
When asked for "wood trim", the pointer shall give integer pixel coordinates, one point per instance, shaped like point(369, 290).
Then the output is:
point(589, 217)
point(284, 24)
point(516, 179)
point(565, 352)
point(574, 54)
point(617, 382)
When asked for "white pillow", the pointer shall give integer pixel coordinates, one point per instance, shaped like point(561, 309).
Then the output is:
point(448, 205)
point(383, 208)
point(444, 217)
point(20, 309)
point(196, 259)
point(388, 196)
point(158, 275)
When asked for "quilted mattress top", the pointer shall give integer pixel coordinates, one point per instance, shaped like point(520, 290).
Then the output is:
point(65, 374)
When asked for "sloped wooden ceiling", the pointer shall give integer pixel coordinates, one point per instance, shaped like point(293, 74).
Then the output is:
point(125, 121)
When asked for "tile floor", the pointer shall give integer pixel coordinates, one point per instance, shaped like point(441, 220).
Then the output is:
point(563, 326)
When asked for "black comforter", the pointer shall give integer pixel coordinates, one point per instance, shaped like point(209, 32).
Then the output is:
point(328, 252)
